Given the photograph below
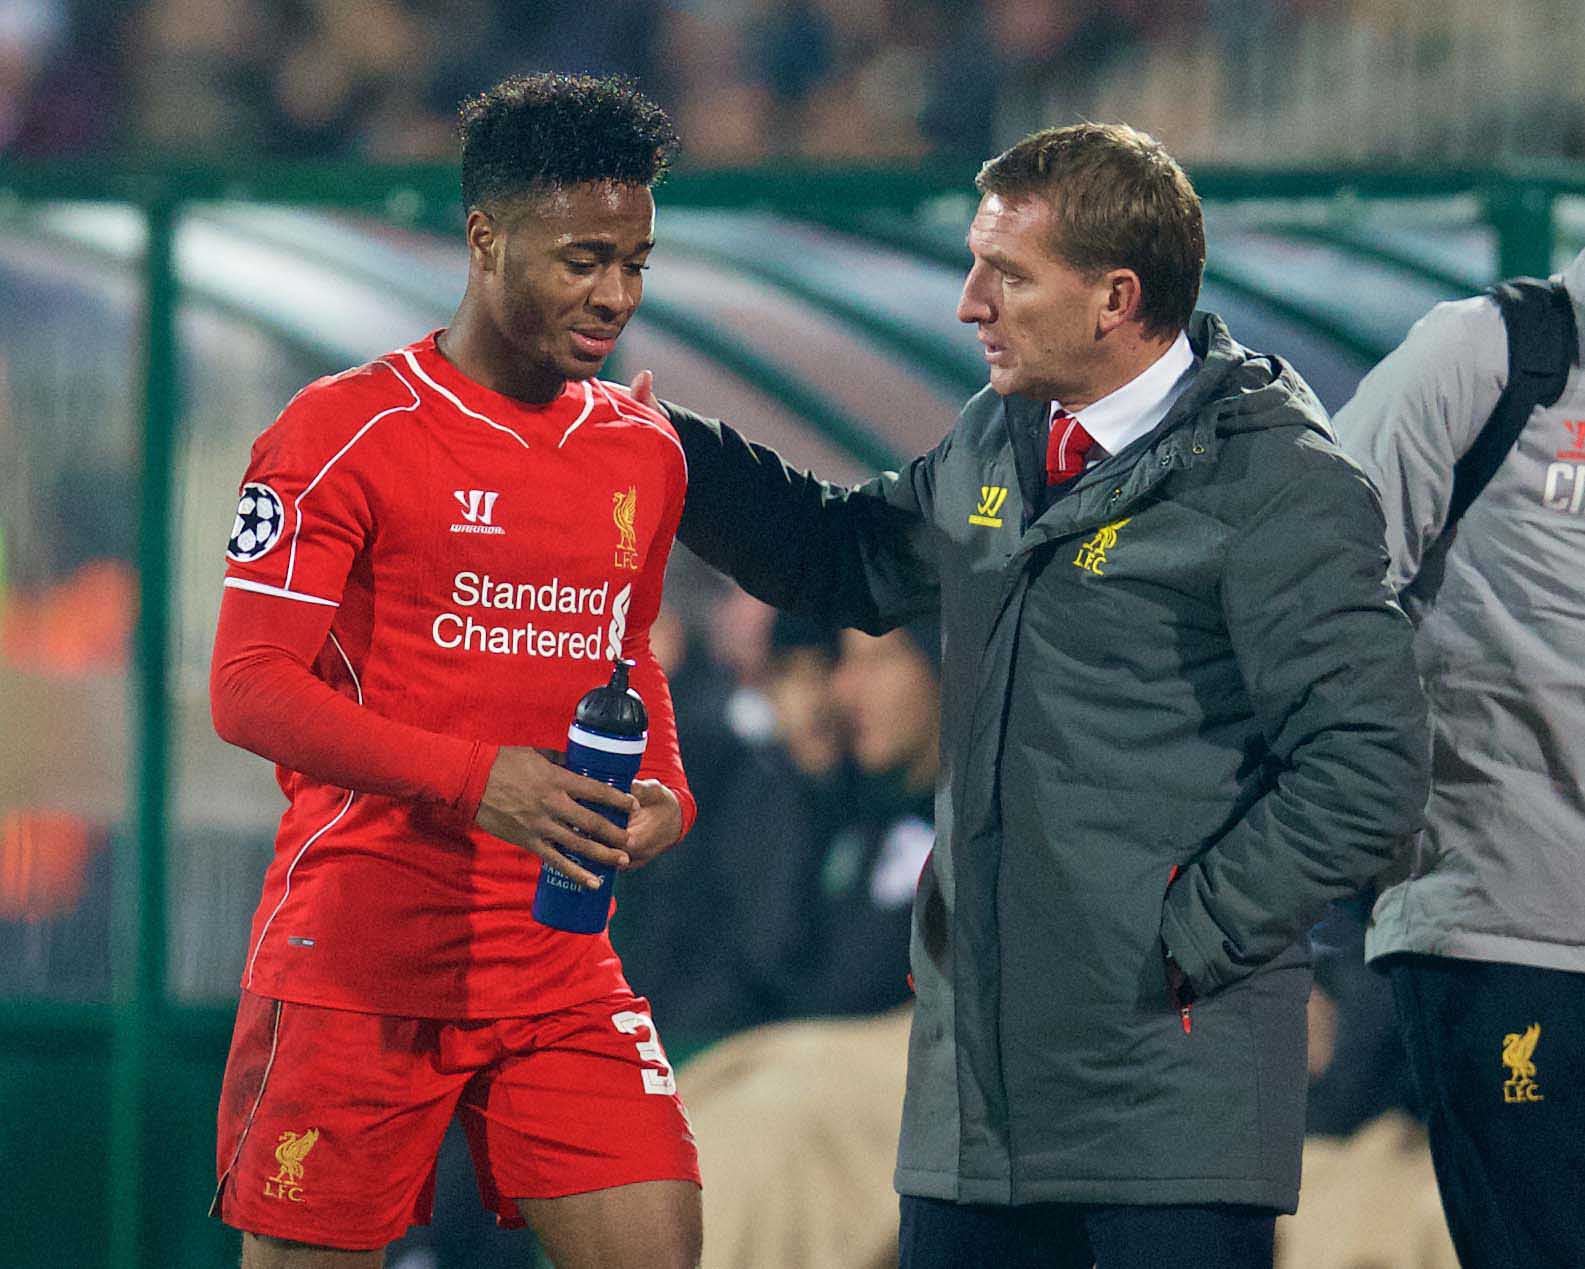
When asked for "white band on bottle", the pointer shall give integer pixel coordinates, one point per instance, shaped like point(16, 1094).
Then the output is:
point(606, 744)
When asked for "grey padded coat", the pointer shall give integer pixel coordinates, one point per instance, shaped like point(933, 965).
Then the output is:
point(1192, 661)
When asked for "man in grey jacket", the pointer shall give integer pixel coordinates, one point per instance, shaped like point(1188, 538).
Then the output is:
point(1179, 714)
point(1483, 931)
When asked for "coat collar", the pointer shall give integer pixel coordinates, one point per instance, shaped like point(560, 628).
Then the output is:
point(1234, 390)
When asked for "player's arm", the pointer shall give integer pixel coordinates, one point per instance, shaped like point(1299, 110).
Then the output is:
point(1417, 413)
point(666, 805)
point(266, 697)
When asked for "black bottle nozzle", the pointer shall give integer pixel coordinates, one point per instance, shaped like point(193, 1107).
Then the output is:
point(615, 709)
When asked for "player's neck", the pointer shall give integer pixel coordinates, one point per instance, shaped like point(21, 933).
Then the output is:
point(475, 347)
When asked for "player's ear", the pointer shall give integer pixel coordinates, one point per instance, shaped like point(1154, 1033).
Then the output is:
point(484, 240)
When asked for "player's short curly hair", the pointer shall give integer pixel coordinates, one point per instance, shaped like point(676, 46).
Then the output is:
point(532, 134)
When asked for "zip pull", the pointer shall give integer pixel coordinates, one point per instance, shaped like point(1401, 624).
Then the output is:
point(1188, 1022)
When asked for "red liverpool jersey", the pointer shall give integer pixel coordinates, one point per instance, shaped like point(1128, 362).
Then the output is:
point(422, 570)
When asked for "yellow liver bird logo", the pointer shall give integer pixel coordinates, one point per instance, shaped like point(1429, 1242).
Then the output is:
point(1518, 1052)
point(1093, 553)
point(291, 1152)
point(624, 510)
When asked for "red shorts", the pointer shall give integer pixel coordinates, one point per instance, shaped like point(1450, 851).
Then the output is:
point(330, 1120)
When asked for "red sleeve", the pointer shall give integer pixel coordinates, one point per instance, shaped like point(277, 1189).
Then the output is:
point(265, 697)
point(662, 757)
point(303, 516)
point(305, 509)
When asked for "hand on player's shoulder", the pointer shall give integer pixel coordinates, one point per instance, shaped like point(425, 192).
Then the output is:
point(643, 390)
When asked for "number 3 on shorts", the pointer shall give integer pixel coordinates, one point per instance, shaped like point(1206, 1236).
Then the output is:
point(631, 1023)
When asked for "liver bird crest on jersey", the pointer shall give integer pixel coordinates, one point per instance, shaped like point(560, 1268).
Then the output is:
point(624, 510)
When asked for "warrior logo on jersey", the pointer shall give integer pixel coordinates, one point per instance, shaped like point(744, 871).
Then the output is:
point(258, 524)
point(624, 510)
point(478, 506)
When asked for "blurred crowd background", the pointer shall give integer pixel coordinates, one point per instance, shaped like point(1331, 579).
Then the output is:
point(1247, 80)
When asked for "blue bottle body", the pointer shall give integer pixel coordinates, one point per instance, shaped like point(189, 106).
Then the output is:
point(610, 754)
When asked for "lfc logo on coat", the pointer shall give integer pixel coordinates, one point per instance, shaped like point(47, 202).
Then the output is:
point(624, 511)
point(1093, 553)
point(290, 1151)
point(1517, 1052)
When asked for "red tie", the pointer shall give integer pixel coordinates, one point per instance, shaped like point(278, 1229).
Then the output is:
point(1066, 447)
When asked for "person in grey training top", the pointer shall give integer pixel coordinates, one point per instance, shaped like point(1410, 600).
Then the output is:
point(1179, 714)
point(1482, 927)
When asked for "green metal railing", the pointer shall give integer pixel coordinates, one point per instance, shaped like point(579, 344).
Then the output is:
point(139, 907)
point(1519, 203)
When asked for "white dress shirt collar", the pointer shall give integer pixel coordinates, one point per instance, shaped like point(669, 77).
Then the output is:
point(1123, 416)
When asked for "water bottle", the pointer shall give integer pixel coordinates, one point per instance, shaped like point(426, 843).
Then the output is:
point(605, 742)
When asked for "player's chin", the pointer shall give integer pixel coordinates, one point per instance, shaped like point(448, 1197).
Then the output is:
point(579, 368)
point(578, 364)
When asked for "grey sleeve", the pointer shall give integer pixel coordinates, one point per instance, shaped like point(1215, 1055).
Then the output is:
point(1327, 659)
point(1418, 413)
point(861, 556)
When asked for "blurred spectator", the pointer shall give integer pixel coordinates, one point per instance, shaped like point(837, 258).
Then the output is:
point(1053, 57)
point(55, 883)
point(867, 80)
point(30, 32)
point(796, 1123)
point(702, 690)
point(738, 637)
point(958, 114)
point(887, 691)
point(78, 624)
point(795, 55)
point(1358, 1067)
point(44, 859)
point(59, 76)
point(717, 933)
point(194, 83)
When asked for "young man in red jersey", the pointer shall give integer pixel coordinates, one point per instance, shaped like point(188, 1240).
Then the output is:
point(435, 555)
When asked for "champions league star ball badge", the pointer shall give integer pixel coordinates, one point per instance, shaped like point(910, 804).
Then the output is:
point(258, 524)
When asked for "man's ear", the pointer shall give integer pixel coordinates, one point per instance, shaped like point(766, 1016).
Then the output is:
point(1123, 298)
point(484, 240)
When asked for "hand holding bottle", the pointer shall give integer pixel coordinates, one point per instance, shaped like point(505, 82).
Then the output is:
point(536, 804)
point(605, 742)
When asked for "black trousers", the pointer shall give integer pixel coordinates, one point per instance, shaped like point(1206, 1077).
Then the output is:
point(1497, 1054)
point(936, 1234)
